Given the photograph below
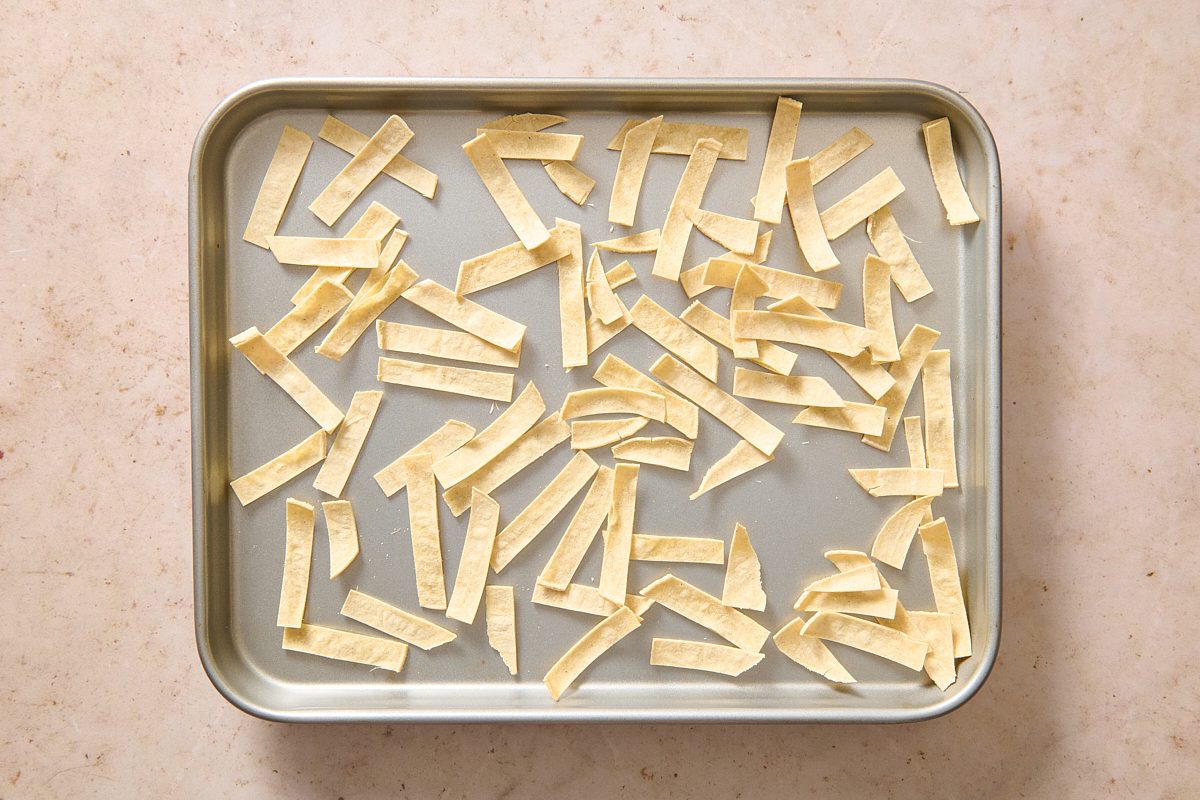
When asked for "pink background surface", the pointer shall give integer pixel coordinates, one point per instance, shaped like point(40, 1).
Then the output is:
point(1095, 114)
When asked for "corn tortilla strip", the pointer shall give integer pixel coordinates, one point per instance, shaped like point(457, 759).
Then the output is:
point(716, 327)
point(377, 278)
point(743, 574)
point(395, 621)
point(781, 284)
point(305, 319)
point(913, 351)
point(620, 275)
point(868, 636)
point(937, 631)
point(279, 368)
point(675, 336)
point(797, 390)
point(895, 536)
point(600, 296)
point(466, 314)
point(810, 652)
point(733, 233)
point(853, 417)
point(891, 244)
point(473, 565)
point(737, 462)
point(583, 653)
point(587, 600)
point(414, 176)
point(534, 145)
point(599, 334)
point(618, 400)
point(548, 504)
point(280, 469)
point(454, 345)
point(589, 434)
point(916, 443)
point(439, 444)
point(504, 431)
point(894, 481)
point(860, 579)
point(668, 259)
point(678, 549)
point(334, 473)
point(679, 138)
point(375, 651)
point(768, 203)
point(946, 177)
point(454, 380)
point(287, 162)
point(316, 251)
point(574, 183)
point(861, 203)
point(523, 122)
point(877, 310)
point(692, 279)
point(535, 443)
point(618, 537)
point(747, 288)
point(500, 610)
point(702, 656)
point(359, 316)
point(939, 415)
point(572, 320)
point(584, 526)
point(631, 171)
point(702, 608)
point(838, 154)
point(846, 560)
point(363, 168)
point(343, 535)
point(297, 562)
point(510, 262)
point(682, 415)
point(644, 242)
point(824, 334)
point(658, 451)
point(376, 222)
point(947, 586)
point(878, 603)
point(806, 220)
point(425, 531)
point(504, 190)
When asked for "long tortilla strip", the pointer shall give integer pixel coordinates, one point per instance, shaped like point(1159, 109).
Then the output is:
point(894, 537)
point(377, 222)
point(824, 334)
point(280, 469)
point(477, 383)
point(797, 390)
point(500, 610)
point(717, 327)
point(682, 415)
point(287, 162)
point(305, 319)
point(588, 434)
point(315, 251)
point(878, 603)
point(618, 537)
point(781, 284)
point(838, 153)
point(473, 564)
point(889, 241)
point(587, 600)
point(334, 473)
point(297, 563)
point(343, 535)
point(523, 122)
point(506, 429)
point(658, 451)
point(375, 651)
point(600, 296)
point(677, 549)
point(734, 233)
point(582, 529)
point(861, 203)
point(702, 655)
point(806, 220)
point(439, 444)
point(454, 345)
point(747, 288)
point(631, 171)
point(509, 262)
point(549, 503)
point(867, 636)
point(425, 531)
point(810, 652)
point(466, 314)
point(644, 242)
point(895, 481)
point(768, 203)
point(572, 320)
point(877, 310)
point(621, 400)
point(947, 585)
point(946, 177)
point(504, 190)
point(853, 417)
point(913, 352)
point(279, 368)
point(680, 138)
point(574, 183)
point(395, 621)
point(668, 259)
point(358, 317)
point(939, 415)
point(702, 608)
point(583, 653)
point(535, 443)
point(737, 462)
point(414, 176)
point(363, 168)
point(534, 145)
point(675, 336)
point(743, 574)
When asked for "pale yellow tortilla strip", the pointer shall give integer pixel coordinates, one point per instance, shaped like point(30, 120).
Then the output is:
point(535, 443)
point(796, 390)
point(853, 417)
point(600, 296)
point(504, 190)
point(375, 651)
point(620, 275)
point(702, 656)
point(810, 231)
point(305, 319)
point(439, 444)
point(425, 531)
point(733, 233)
point(737, 462)
point(877, 310)
point(334, 473)
point(510, 262)
point(747, 288)
point(359, 316)
point(343, 535)
point(894, 481)
point(502, 433)
point(618, 537)
point(823, 334)
point(395, 621)
point(692, 282)
point(466, 314)
point(913, 352)
point(363, 168)
point(644, 242)
point(768, 203)
point(743, 574)
point(315, 251)
point(589, 434)
point(947, 585)
point(680, 138)
point(810, 652)
point(717, 327)
point(668, 259)
point(658, 451)
point(939, 415)
point(453, 345)
point(895, 536)
point(631, 171)
point(878, 603)
point(675, 336)
point(915, 442)
point(376, 279)
point(584, 526)
point(523, 122)
point(572, 319)
point(574, 183)
point(500, 610)
point(549, 503)
point(889, 241)
point(473, 564)
point(861, 203)
point(781, 284)
point(937, 631)
point(377, 222)
point(859, 579)
point(599, 334)
point(287, 162)
point(414, 176)
point(454, 380)
point(946, 177)
point(868, 636)
point(846, 560)
point(587, 600)
point(297, 563)
point(280, 469)
point(677, 549)
point(583, 653)
point(681, 414)
point(534, 145)
point(279, 368)
point(702, 608)
point(838, 153)
point(615, 400)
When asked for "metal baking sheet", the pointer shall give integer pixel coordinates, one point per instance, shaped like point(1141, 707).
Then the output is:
point(798, 507)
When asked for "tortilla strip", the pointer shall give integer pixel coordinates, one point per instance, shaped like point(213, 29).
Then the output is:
point(806, 221)
point(916, 445)
point(631, 171)
point(279, 368)
point(692, 279)
point(509, 262)
point(846, 560)
point(891, 244)
point(534, 145)
point(583, 653)
point(587, 600)
point(861, 203)
point(947, 585)
point(599, 334)
point(316, 251)
point(287, 162)
point(893, 481)
point(679, 138)
point(740, 419)
point(343, 535)
point(681, 414)
point(768, 203)
point(580, 532)
point(466, 314)
point(363, 168)
point(589, 434)
point(810, 652)
point(377, 221)
point(305, 319)
point(658, 451)
point(877, 310)
point(425, 531)
point(867, 636)
point(504, 190)
point(781, 284)
point(454, 345)
point(895, 536)
point(345, 646)
point(395, 621)
point(797, 390)
point(677, 549)
point(668, 259)
point(473, 564)
point(716, 327)
point(573, 328)
point(535, 443)
point(600, 296)
point(589, 402)
point(747, 288)
point(675, 336)
point(523, 122)
point(439, 444)
point(297, 563)
point(736, 234)
point(358, 317)
point(939, 415)
point(853, 417)
point(860, 579)
point(618, 537)
point(500, 610)
point(838, 153)
point(478, 383)
point(505, 430)
point(823, 334)
point(644, 242)
point(620, 275)
point(743, 574)
point(334, 473)
point(702, 608)
point(738, 461)
point(946, 177)
point(414, 176)
point(913, 352)
point(279, 470)
point(878, 603)
point(937, 631)
point(548, 504)
point(701, 655)
point(574, 183)
point(389, 253)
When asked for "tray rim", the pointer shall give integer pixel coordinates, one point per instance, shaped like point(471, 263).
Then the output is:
point(991, 420)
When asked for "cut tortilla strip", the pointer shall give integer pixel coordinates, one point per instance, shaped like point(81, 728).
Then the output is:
point(279, 470)
point(736, 234)
point(946, 177)
point(504, 190)
point(535, 443)
point(658, 451)
point(861, 203)
point(747, 288)
point(599, 334)
point(580, 532)
point(394, 621)
point(838, 154)
point(589, 434)
point(510, 262)
point(877, 310)
point(583, 653)
point(466, 314)
point(363, 168)
point(939, 415)
point(534, 145)
point(500, 610)
point(504, 431)
point(675, 336)
point(879, 603)
point(681, 414)
point(702, 608)
point(631, 171)
point(913, 352)
point(937, 631)
point(376, 222)
point(810, 652)
point(702, 656)
point(362, 313)
point(279, 368)
point(600, 296)
point(896, 534)
point(680, 138)
point(620, 275)
point(716, 327)
point(349, 441)
point(806, 220)
point(891, 244)
point(860, 579)
point(572, 320)
point(618, 537)
point(895, 481)
point(796, 390)
point(947, 586)
point(668, 259)
point(454, 380)
point(375, 651)
point(609, 400)
point(305, 319)
point(297, 563)
point(343, 535)
point(781, 284)
point(853, 417)
point(439, 444)
point(692, 280)
point(523, 122)
point(823, 334)
point(846, 560)
point(425, 531)
point(453, 345)
point(313, 251)
point(574, 183)
point(768, 203)
point(916, 444)
point(414, 176)
point(644, 242)
point(587, 600)
point(677, 549)
point(743, 575)
point(473, 565)
point(737, 462)
point(291, 152)
point(870, 637)
point(376, 279)
point(548, 504)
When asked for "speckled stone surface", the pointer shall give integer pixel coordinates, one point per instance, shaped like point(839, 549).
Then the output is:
point(1095, 113)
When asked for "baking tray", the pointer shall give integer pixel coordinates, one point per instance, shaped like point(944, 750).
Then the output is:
point(802, 505)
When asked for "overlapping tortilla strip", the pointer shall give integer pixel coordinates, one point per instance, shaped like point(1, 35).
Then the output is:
point(279, 368)
point(644, 242)
point(822, 333)
point(587, 600)
point(658, 451)
point(343, 535)
point(509, 262)
point(846, 560)
point(796, 390)
point(618, 537)
point(939, 415)
point(702, 655)
point(363, 168)
point(572, 320)
point(865, 578)
point(916, 452)
point(280, 469)
point(425, 531)
point(534, 145)
point(574, 183)
point(620, 275)
point(523, 122)
point(937, 631)
point(747, 288)
point(702, 608)
point(681, 414)
point(504, 190)
point(680, 138)
point(500, 610)
point(389, 253)
point(534, 444)
point(743, 575)
point(877, 310)
point(599, 334)
point(589, 434)
point(781, 284)
point(453, 345)
point(439, 444)
point(737, 462)
point(736, 234)
point(297, 562)
point(359, 316)
point(305, 319)
point(894, 481)
point(913, 352)
point(675, 336)
point(580, 532)
point(395, 621)
point(414, 176)
point(894, 537)
point(618, 400)
point(548, 504)
point(861, 203)
point(768, 203)
point(891, 244)
point(868, 636)
point(583, 653)
point(668, 259)
point(810, 232)
point(717, 327)
point(504, 431)
point(345, 646)
point(600, 296)
point(466, 314)
point(677, 549)
point(838, 153)
point(473, 564)
point(291, 152)
point(853, 417)
point(454, 380)
point(631, 171)
point(878, 603)
point(315, 251)
point(810, 652)
point(334, 473)
point(692, 282)
point(947, 586)
point(946, 177)
point(376, 222)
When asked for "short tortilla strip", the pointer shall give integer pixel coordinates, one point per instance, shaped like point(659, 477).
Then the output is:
point(806, 220)
point(620, 275)
point(768, 203)
point(733, 233)
point(334, 473)
point(868, 636)
point(677, 549)
point(877, 310)
point(618, 537)
point(548, 504)
point(503, 432)
point(680, 138)
point(600, 296)
point(534, 145)
point(682, 415)
point(523, 122)
point(860, 579)
point(583, 653)
point(737, 462)
point(810, 652)
point(743, 575)
point(359, 316)
point(395, 621)
point(631, 171)
point(584, 526)
point(587, 600)
point(589, 434)
point(913, 352)
point(454, 380)
point(599, 334)
point(702, 608)
point(946, 177)
point(668, 259)
point(702, 656)
point(303, 320)
point(287, 162)
point(947, 585)
point(363, 168)
point(895, 481)
point(618, 400)
point(878, 603)
point(824, 334)
point(466, 314)
point(473, 564)
point(343, 535)
point(889, 241)
point(853, 417)
point(796, 390)
point(425, 531)
point(535, 443)
point(939, 415)
point(644, 242)
point(510, 262)
point(658, 451)
point(454, 345)
point(439, 444)
point(504, 190)
point(838, 153)
point(572, 319)
point(500, 610)
point(861, 203)
point(574, 183)
point(315, 251)
point(717, 327)
point(747, 288)
point(297, 563)
point(894, 537)
point(280, 469)
point(375, 651)
point(377, 221)
point(414, 176)
point(846, 560)
point(279, 368)
point(675, 336)
point(781, 284)
point(937, 631)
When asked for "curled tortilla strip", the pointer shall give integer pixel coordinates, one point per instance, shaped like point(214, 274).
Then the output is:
point(853, 417)
point(599, 334)
point(681, 414)
point(702, 608)
point(573, 330)
point(658, 451)
point(600, 296)
point(810, 652)
point(535, 443)
point(680, 138)
point(609, 400)
point(343, 535)
point(937, 631)
point(587, 600)
point(797, 390)
point(466, 314)
point(878, 603)
point(359, 316)
point(868, 636)
point(891, 244)
point(860, 579)
point(946, 177)
point(913, 352)
point(939, 415)
point(504, 190)
point(806, 221)
point(669, 331)
point(620, 275)
point(877, 310)
point(893, 481)
point(425, 531)
point(677, 549)
point(947, 586)
point(523, 122)
point(589, 434)
point(345, 646)
point(631, 171)
point(737, 462)
point(618, 537)
point(580, 532)
point(768, 203)
point(895, 536)
point(439, 444)
point(394, 621)
point(574, 183)
point(668, 259)
point(747, 288)
point(838, 154)
point(500, 609)
point(305, 319)
point(644, 242)
point(510, 262)
point(736, 234)
point(743, 575)
point(414, 176)
point(781, 284)
point(377, 221)
point(363, 168)
point(280, 469)
point(716, 327)
point(534, 145)
point(548, 504)
point(702, 655)
point(453, 345)
point(492, 440)
point(279, 368)
point(315, 251)
point(454, 380)
point(823, 334)
point(297, 563)
point(583, 653)
point(291, 152)
point(861, 203)
point(334, 473)
point(473, 564)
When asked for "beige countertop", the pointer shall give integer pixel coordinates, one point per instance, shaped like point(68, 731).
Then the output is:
point(1095, 114)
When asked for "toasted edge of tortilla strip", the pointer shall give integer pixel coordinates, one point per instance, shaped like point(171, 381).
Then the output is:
point(439, 444)
point(600, 296)
point(362, 312)
point(913, 351)
point(581, 531)
point(810, 652)
point(860, 418)
point(877, 310)
point(677, 228)
point(306, 318)
point(631, 171)
point(586, 600)
point(279, 368)
point(473, 563)
point(682, 415)
point(590, 647)
point(500, 613)
point(643, 242)
point(861, 203)
point(523, 122)
point(743, 574)
point(817, 332)
point(939, 415)
point(542, 509)
point(878, 603)
point(502, 433)
point(588, 434)
point(504, 190)
point(377, 221)
point(614, 400)
point(743, 458)
point(717, 327)
point(509, 262)
point(574, 183)
point(868, 636)
point(704, 656)
point(733, 233)
point(946, 177)
point(675, 336)
point(275, 192)
point(889, 241)
point(317, 251)
point(393, 621)
point(466, 314)
point(947, 584)
point(838, 153)
point(620, 275)
point(894, 481)
point(768, 203)
point(476, 383)
point(807, 224)
point(572, 312)
point(534, 145)
point(375, 651)
point(618, 537)
point(363, 168)
point(453, 345)
point(796, 390)
point(679, 138)
point(280, 469)
point(677, 549)
point(895, 535)
point(297, 564)
point(658, 451)
point(702, 608)
point(425, 531)
point(332, 477)
point(412, 175)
